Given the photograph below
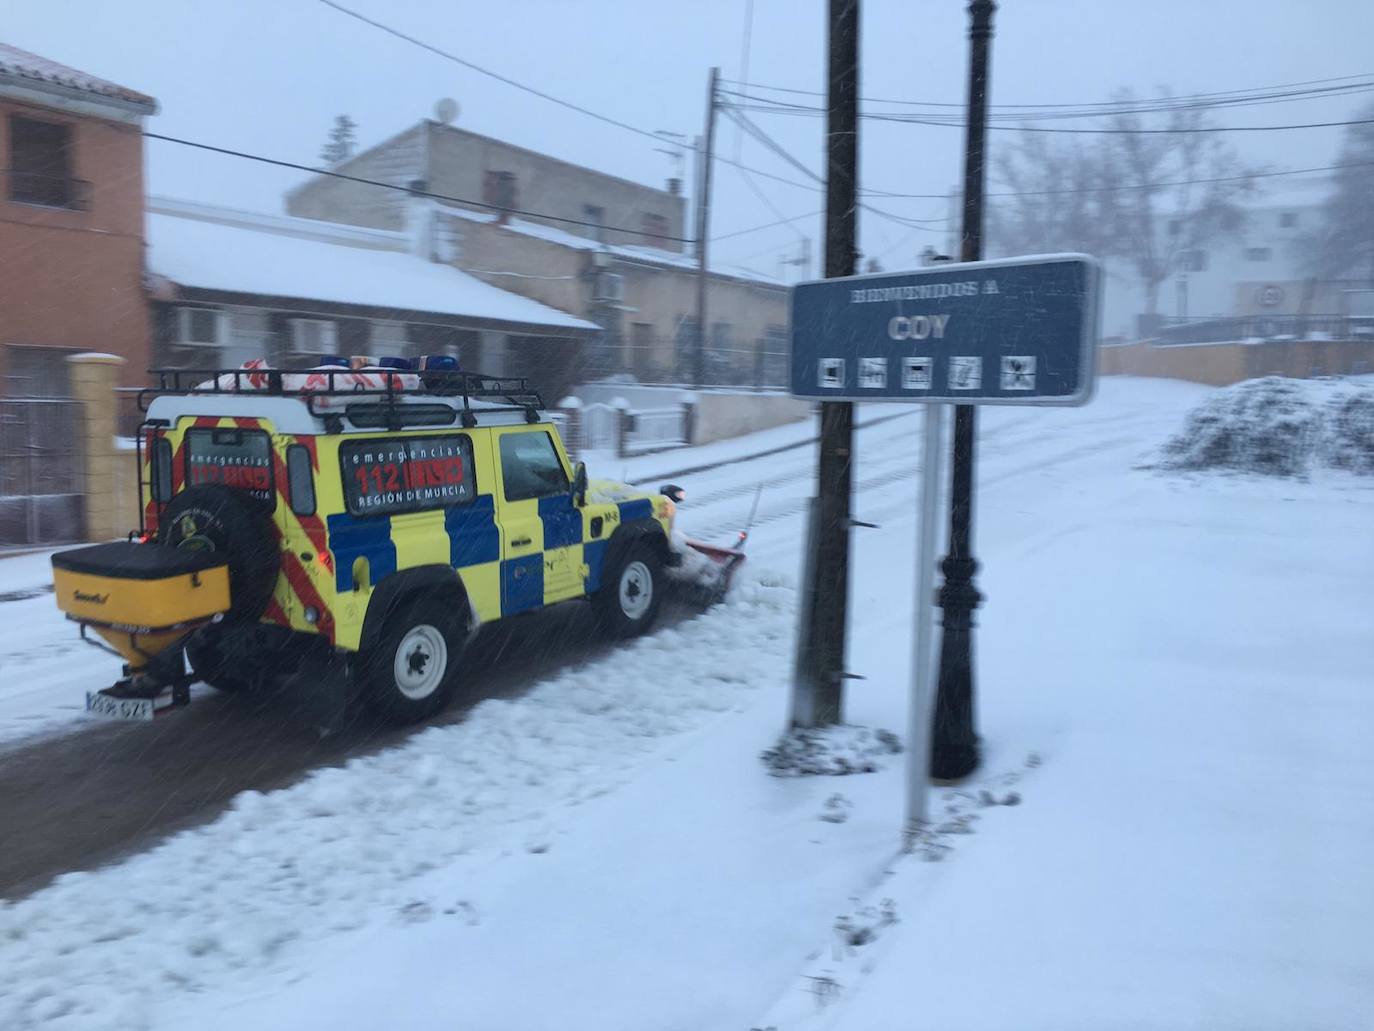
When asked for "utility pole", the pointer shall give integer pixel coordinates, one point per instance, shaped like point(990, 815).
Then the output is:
point(703, 226)
point(954, 748)
point(817, 690)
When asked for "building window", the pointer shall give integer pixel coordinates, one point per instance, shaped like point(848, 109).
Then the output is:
point(37, 372)
point(642, 349)
point(313, 338)
point(200, 327)
point(40, 166)
point(500, 190)
point(655, 229)
point(595, 217)
point(1288, 220)
point(1258, 253)
point(1194, 260)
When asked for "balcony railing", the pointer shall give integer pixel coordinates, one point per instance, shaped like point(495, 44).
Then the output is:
point(47, 191)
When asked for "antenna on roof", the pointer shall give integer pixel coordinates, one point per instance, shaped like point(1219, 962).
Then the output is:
point(446, 110)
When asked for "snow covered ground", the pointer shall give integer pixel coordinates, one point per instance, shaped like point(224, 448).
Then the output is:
point(1173, 676)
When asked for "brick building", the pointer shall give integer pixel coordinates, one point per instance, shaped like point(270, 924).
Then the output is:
point(71, 223)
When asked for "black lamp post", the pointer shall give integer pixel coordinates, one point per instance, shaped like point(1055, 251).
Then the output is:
point(954, 746)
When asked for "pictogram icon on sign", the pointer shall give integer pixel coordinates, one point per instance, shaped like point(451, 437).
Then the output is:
point(873, 373)
point(916, 373)
point(965, 372)
point(1018, 372)
point(831, 373)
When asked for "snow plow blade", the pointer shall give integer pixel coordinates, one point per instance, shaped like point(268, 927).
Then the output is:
point(728, 560)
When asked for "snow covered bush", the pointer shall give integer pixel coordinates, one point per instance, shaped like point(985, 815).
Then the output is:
point(1347, 439)
point(829, 751)
point(1264, 426)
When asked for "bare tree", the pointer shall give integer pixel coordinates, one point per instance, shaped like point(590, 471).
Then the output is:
point(1158, 186)
point(1344, 244)
point(1055, 200)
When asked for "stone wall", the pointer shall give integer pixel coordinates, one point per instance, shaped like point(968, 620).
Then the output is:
point(1221, 365)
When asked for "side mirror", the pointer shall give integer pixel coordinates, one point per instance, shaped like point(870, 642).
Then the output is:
point(579, 486)
point(673, 493)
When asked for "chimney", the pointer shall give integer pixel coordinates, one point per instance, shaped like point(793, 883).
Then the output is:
point(419, 220)
point(675, 186)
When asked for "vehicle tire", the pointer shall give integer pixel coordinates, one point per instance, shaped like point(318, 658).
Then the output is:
point(411, 671)
point(219, 666)
point(228, 522)
point(626, 603)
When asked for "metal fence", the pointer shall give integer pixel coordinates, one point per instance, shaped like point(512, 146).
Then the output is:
point(1235, 329)
point(600, 428)
point(41, 483)
point(626, 431)
point(656, 428)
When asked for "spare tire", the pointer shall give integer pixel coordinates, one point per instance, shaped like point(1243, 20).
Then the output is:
point(228, 522)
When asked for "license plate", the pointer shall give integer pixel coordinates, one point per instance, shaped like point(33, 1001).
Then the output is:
point(119, 708)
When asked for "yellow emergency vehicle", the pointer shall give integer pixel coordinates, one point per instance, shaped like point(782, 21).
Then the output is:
point(373, 519)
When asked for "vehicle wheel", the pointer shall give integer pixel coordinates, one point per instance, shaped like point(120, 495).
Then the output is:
point(627, 601)
point(228, 522)
point(411, 672)
point(213, 665)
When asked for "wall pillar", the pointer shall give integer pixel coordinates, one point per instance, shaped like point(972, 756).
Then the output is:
point(94, 378)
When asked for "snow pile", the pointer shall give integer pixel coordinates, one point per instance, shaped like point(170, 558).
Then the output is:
point(1278, 427)
point(1263, 426)
point(830, 751)
point(337, 851)
point(1347, 439)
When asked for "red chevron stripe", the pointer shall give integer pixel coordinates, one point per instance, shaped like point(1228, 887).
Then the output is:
point(276, 614)
point(304, 589)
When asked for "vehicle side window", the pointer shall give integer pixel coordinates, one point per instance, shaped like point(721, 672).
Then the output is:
point(392, 475)
point(530, 467)
point(162, 469)
point(301, 480)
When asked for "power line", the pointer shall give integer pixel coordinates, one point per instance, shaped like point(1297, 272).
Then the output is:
point(1158, 106)
point(1135, 132)
point(491, 74)
point(764, 105)
point(782, 152)
point(545, 96)
point(1239, 93)
point(767, 225)
point(277, 162)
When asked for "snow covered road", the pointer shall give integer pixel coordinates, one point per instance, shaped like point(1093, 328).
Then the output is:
point(1187, 655)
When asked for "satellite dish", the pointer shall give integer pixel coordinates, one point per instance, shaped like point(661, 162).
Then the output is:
point(446, 110)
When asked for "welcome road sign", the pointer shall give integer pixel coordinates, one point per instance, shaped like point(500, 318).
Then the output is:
point(1020, 331)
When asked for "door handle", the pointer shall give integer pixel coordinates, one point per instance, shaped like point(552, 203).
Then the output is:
point(520, 542)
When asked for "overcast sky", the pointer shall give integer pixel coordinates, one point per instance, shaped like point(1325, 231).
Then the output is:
point(268, 76)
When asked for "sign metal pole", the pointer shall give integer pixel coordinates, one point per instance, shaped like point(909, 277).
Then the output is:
point(922, 673)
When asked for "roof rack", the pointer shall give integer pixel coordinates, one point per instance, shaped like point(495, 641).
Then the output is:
point(442, 385)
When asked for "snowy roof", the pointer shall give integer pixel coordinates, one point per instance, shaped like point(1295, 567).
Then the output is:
point(36, 72)
point(625, 252)
point(213, 248)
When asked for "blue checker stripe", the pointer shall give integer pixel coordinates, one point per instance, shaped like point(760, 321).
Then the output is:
point(630, 511)
point(472, 533)
point(351, 539)
point(562, 522)
point(522, 584)
point(594, 557)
